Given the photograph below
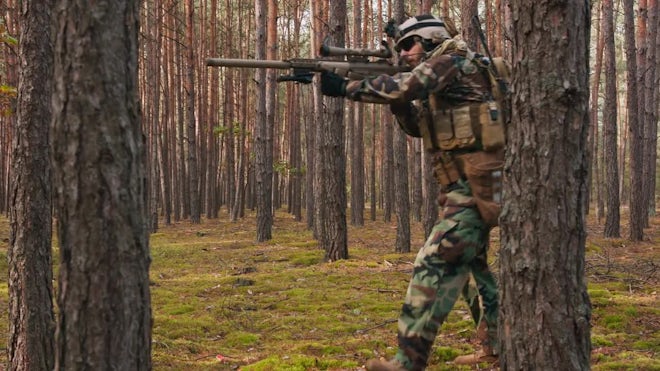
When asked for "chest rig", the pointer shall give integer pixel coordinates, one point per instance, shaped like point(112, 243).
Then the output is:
point(467, 139)
point(476, 125)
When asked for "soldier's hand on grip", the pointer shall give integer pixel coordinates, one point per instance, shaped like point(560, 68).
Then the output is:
point(333, 85)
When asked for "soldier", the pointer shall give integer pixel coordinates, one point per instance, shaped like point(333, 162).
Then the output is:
point(447, 99)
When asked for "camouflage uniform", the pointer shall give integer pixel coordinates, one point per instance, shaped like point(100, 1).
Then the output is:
point(458, 243)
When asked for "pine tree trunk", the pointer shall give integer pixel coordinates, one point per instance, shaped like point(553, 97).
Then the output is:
point(387, 183)
point(431, 193)
point(191, 127)
point(31, 341)
point(612, 219)
point(401, 192)
point(637, 209)
point(335, 235)
point(104, 320)
point(594, 175)
point(416, 178)
point(357, 139)
point(272, 122)
point(263, 172)
point(545, 309)
point(469, 9)
point(650, 111)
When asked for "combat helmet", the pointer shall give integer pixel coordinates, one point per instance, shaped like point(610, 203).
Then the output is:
point(430, 29)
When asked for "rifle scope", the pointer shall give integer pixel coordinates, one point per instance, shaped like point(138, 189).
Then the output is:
point(330, 51)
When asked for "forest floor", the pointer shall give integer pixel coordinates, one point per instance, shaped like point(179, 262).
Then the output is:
point(221, 301)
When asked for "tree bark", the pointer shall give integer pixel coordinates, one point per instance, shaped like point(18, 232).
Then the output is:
point(272, 121)
point(637, 209)
point(191, 127)
point(612, 218)
point(545, 309)
point(431, 193)
point(104, 319)
point(357, 139)
point(263, 159)
point(594, 177)
point(31, 341)
point(469, 9)
point(651, 110)
point(402, 193)
point(335, 234)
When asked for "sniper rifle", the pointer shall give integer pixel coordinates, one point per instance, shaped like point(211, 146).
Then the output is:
point(356, 65)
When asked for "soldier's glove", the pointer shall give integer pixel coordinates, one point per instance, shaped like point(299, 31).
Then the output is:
point(401, 109)
point(332, 84)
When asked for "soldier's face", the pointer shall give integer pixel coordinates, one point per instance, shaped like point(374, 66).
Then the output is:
point(413, 55)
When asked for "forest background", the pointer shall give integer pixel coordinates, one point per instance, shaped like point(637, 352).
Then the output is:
point(200, 123)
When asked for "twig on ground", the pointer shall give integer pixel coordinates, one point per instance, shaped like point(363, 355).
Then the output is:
point(376, 326)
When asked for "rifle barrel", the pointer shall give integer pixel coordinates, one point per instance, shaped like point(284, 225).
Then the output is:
point(249, 63)
point(314, 65)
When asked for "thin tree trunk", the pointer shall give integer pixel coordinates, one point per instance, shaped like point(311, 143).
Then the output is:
point(594, 175)
point(431, 193)
point(272, 143)
point(264, 172)
point(191, 127)
point(164, 140)
point(357, 138)
point(651, 110)
point(612, 220)
point(319, 184)
point(335, 235)
point(184, 198)
point(469, 9)
point(373, 164)
point(637, 209)
point(387, 184)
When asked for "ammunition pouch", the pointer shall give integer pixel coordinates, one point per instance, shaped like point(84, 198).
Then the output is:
point(446, 169)
point(492, 126)
point(483, 171)
point(476, 126)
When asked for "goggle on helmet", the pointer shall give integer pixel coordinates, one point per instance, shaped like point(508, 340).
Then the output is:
point(426, 27)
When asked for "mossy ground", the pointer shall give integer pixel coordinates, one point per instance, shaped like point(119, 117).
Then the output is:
point(221, 301)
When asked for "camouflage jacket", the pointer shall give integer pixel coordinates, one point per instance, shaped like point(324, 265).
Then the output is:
point(451, 75)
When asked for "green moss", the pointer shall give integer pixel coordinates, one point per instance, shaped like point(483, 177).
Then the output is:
point(307, 259)
point(297, 363)
point(653, 344)
point(600, 341)
point(614, 321)
point(300, 313)
point(630, 311)
point(240, 338)
point(179, 309)
point(445, 354)
point(599, 293)
point(630, 364)
point(593, 248)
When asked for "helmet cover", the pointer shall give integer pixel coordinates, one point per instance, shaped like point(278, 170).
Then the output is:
point(425, 26)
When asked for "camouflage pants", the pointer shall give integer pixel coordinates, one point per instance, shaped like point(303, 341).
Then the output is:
point(455, 249)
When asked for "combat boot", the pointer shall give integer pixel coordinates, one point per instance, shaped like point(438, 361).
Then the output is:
point(383, 365)
point(485, 354)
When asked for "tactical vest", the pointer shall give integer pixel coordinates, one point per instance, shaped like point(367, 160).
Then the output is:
point(473, 126)
point(471, 137)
